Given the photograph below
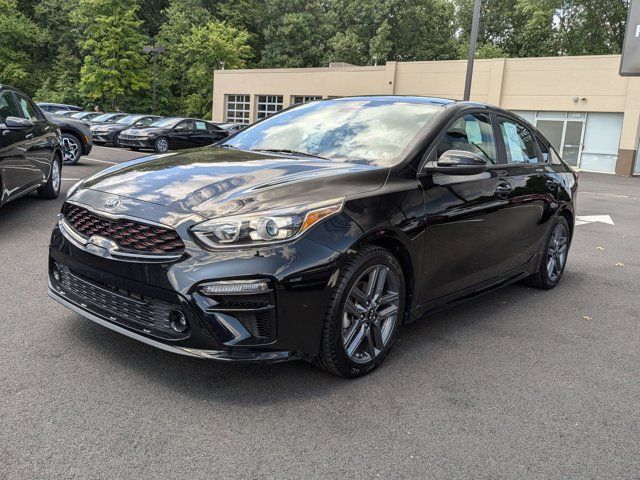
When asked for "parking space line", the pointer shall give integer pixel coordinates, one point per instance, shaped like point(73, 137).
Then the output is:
point(100, 161)
point(70, 179)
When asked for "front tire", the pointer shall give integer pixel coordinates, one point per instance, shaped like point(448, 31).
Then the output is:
point(365, 313)
point(554, 257)
point(161, 145)
point(51, 189)
point(72, 149)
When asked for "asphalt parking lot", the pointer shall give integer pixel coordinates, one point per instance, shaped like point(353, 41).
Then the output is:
point(518, 384)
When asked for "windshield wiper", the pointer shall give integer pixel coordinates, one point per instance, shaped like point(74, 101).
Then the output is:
point(289, 151)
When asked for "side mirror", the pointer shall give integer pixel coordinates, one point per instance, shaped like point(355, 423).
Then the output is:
point(15, 123)
point(459, 162)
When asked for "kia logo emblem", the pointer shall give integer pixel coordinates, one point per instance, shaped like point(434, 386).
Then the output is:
point(112, 203)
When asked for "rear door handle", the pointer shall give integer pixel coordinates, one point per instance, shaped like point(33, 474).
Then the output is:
point(504, 189)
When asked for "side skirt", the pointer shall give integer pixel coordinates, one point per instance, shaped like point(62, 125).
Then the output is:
point(454, 299)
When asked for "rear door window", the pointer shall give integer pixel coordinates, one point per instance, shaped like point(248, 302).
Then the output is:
point(518, 141)
point(471, 133)
point(201, 126)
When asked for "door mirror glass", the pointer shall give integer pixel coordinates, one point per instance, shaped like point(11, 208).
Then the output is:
point(460, 162)
point(18, 123)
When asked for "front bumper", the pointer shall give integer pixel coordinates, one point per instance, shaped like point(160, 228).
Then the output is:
point(236, 355)
point(140, 142)
point(103, 137)
point(286, 326)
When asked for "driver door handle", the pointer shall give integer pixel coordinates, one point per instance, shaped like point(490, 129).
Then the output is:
point(504, 189)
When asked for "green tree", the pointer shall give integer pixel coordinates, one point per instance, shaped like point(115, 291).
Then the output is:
point(114, 65)
point(204, 49)
point(297, 34)
point(18, 47)
point(61, 85)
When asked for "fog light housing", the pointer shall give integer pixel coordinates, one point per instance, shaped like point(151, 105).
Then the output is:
point(55, 272)
point(235, 287)
point(178, 321)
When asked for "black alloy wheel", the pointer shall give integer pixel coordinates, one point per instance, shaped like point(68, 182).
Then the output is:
point(365, 314)
point(72, 149)
point(554, 257)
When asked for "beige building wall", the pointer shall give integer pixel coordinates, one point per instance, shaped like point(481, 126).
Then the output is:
point(574, 84)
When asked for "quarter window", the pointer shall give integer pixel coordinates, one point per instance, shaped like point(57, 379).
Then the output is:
point(298, 99)
point(27, 109)
point(7, 107)
point(471, 133)
point(519, 143)
point(238, 108)
point(268, 105)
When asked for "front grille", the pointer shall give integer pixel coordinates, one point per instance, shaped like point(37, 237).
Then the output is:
point(256, 313)
point(128, 234)
point(131, 309)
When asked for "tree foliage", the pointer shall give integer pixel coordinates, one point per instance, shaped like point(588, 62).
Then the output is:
point(111, 42)
point(90, 51)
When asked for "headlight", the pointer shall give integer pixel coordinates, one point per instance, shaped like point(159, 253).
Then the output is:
point(73, 188)
point(264, 228)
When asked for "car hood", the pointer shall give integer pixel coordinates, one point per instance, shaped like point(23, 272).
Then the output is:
point(217, 181)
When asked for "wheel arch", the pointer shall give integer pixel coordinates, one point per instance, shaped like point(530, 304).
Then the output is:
point(568, 215)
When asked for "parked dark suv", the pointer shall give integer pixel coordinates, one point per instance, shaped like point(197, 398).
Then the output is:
point(318, 232)
point(30, 148)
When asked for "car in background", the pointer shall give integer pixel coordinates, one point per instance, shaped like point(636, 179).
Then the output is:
point(173, 133)
point(30, 148)
point(86, 117)
point(76, 137)
point(64, 113)
point(233, 127)
point(110, 132)
point(54, 107)
point(108, 117)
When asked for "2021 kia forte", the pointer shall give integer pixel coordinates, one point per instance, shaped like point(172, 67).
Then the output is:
point(317, 232)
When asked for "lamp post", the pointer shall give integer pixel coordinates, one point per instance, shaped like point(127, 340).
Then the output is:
point(154, 52)
point(472, 49)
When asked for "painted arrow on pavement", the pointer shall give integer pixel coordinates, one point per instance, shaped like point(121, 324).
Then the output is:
point(582, 220)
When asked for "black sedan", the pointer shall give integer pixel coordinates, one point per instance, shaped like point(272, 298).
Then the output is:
point(318, 232)
point(30, 148)
point(172, 134)
point(109, 132)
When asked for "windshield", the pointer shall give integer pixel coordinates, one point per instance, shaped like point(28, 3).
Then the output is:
point(371, 131)
point(104, 117)
point(166, 122)
point(129, 119)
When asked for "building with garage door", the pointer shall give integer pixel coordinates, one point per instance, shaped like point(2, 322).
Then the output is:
point(586, 110)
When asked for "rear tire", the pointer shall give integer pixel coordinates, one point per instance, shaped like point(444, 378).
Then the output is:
point(364, 316)
point(554, 256)
point(51, 189)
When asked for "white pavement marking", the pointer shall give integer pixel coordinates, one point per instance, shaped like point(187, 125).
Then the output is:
point(100, 161)
point(71, 179)
point(613, 195)
point(582, 220)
